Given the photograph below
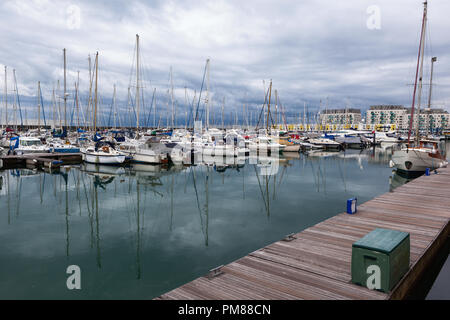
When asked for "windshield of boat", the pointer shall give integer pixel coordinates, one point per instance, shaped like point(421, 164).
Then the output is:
point(29, 143)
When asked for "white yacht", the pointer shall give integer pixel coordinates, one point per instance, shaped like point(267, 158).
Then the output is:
point(102, 153)
point(418, 159)
point(386, 137)
point(26, 145)
point(149, 151)
point(326, 143)
point(265, 145)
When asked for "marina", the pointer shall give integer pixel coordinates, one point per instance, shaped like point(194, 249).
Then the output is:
point(224, 151)
point(178, 213)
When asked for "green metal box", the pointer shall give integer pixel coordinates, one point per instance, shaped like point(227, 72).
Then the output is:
point(380, 259)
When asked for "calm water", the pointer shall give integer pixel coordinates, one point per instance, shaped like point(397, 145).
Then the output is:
point(139, 232)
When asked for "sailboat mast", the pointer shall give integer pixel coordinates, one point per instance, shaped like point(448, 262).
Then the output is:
point(154, 110)
point(96, 92)
point(171, 97)
point(276, 109)
point(137, 84)
point(58, 88)
point(114, 106)
point(304, 116)
point(6, 97)
point(89, 111)
point(77, 85)
point(15, 100)
point(433, 60)
point(65, 91)
point(39, 106)
point(268, 106)
point(417, 72)
point(207, 95)
point(54, 106)
point(186, 104)
point(223, 106)
point(419, 98)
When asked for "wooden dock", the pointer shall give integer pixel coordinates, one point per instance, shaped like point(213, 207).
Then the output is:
point(316, 263)
point(48, 160)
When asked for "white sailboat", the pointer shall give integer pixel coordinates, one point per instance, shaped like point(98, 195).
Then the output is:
point(423, 154)
point(103, 152)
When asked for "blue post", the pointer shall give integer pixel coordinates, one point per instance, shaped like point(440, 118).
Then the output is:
point(427, 171)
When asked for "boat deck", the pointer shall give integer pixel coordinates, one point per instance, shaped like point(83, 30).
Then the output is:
point(316, 263)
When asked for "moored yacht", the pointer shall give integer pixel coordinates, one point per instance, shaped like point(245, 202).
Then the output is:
point(103, 153)
point(418, 159)
point(26, 145)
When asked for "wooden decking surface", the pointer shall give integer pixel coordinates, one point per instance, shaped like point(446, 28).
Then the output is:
point(317, 264)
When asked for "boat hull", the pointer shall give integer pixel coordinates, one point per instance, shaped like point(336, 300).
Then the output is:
point(104, 159)
point(416, 161)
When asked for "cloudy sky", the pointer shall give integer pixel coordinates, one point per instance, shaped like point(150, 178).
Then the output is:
point(355, 52)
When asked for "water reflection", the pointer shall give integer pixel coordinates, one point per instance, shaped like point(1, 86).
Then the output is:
point(400, 178)
point(142, 230)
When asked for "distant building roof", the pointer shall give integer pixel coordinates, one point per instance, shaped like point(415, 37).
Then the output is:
point(428, 111)
point(387, 107)
point(334, 111)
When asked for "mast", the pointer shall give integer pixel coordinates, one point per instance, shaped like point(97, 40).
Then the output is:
point(89, 107)
point(114, 106)
point(137, 84)
point(77, 86)
point(65, 91)
point(130, 122)
point(186, 104)
point(417, 73)
point(54, 106)
point(223, 106)
point(96, 92)
point(171, 97)
point(268, 106)
point(207, 94)
point(154, 111)
point(6, 97)
point(59, 103)
point(433, 60)
point(276, 109)
point(419, 98)
point(167, 105)
point(304, 116)
point(39, 106)
point(15, 100)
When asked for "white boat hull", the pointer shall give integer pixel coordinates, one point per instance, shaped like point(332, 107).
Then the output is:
point(292, 148)
point(414, 160)
point(104, 158)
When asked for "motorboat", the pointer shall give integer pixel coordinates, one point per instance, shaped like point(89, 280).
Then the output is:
point(60, 146)
point(265, 145)
point(103, 152)
point(326, 143)
point(24, 145)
